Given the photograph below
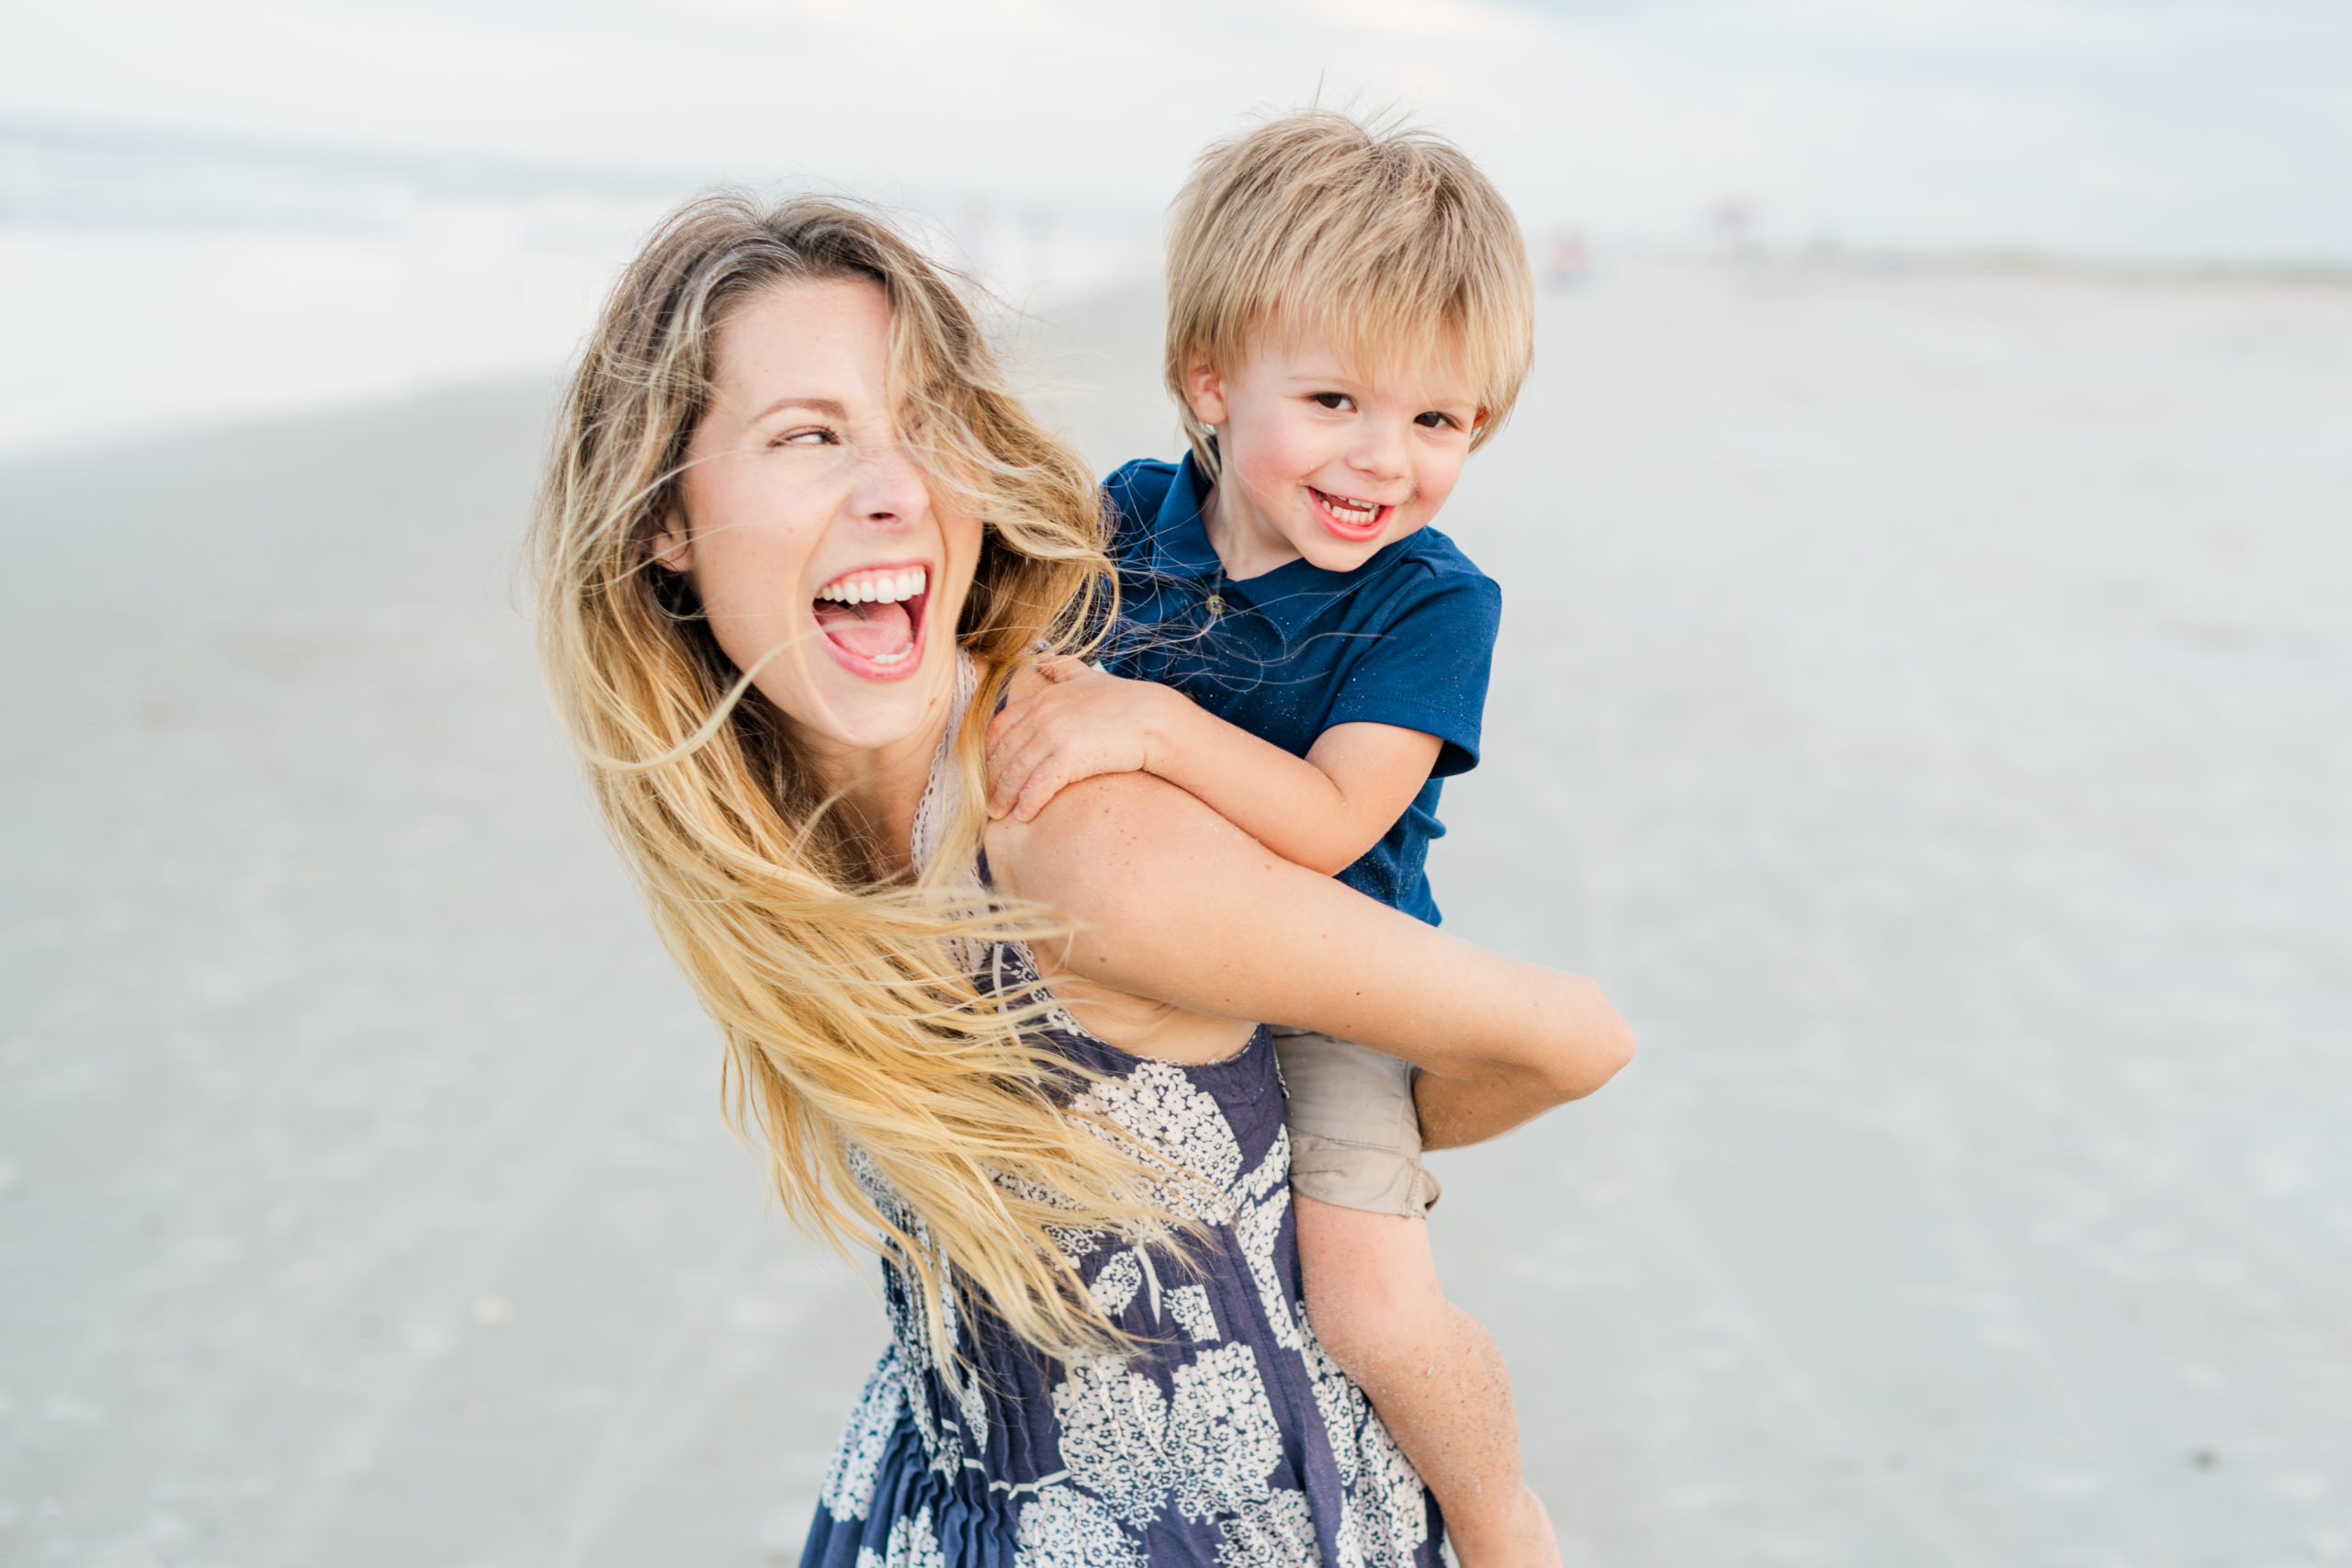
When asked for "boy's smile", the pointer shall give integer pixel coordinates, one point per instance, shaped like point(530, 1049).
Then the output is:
point(1353, 521)
point(1324, 461)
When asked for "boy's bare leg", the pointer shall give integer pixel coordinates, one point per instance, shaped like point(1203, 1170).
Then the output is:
point(1432, 1372)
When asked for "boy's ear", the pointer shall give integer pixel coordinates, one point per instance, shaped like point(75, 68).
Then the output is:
point(672, 547)
point(1204, 390)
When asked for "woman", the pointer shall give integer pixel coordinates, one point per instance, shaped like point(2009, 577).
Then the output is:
point(794, 532)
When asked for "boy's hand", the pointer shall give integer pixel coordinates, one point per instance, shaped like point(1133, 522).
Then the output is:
point(1067, 721)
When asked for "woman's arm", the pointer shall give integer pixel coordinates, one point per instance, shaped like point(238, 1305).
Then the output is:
point(1324, 811)
point(1181, 907)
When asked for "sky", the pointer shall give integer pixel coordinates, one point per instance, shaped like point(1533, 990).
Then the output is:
point(2164, 129)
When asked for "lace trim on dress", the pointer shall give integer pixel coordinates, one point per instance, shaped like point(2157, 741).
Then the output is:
point(1010, 965)
point(945, 793)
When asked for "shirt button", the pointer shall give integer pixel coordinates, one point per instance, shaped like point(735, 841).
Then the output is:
point(1215, 606)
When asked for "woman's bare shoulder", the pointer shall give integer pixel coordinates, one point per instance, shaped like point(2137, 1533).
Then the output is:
point(1174, 903)
point(1112, 852)
point(1119, 844)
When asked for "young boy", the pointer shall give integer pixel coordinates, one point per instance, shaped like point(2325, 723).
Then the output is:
point(1349, 315)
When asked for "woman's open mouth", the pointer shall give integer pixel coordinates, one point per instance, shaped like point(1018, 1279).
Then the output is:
point(873, 619)
point(1352, 520)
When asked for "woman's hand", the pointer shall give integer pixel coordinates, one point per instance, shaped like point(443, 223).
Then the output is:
point(1067, 721)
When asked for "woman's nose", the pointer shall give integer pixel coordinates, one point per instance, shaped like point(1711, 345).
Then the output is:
point(890, 491)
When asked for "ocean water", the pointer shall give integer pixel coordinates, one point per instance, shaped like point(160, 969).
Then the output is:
point(147, 284)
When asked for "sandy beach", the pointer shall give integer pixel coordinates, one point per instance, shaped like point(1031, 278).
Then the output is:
point(1925, 702)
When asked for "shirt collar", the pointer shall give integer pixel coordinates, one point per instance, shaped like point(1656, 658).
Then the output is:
point(1290, 595)
point(1180, 538)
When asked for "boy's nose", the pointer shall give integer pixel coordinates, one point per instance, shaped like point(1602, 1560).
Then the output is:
point(1379, 451)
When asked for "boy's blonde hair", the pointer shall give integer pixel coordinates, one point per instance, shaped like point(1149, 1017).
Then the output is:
point(1385, 239)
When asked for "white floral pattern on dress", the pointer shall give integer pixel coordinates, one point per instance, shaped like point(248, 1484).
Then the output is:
point(913, 1543)
point(1278, 1532)
point(1190, 1306)
point(1223, 1441)
point(1064, 1528)
point(1258, 1227)
point(1209, 1448)
point(1116, 1284)
point(1114, 1425)
point(910, 1334)
point(1200, 1441)
point(1160, 1108)
point(849, 1484)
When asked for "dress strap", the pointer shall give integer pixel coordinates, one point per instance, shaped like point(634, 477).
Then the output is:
point(943, 794)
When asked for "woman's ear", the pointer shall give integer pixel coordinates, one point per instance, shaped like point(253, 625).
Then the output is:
point(1204, 390)
point(672, 547)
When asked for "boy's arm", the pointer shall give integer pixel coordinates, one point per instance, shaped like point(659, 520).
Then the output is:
point(1322, 811)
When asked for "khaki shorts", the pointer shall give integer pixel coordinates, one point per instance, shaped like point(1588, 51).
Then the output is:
point(1355, 1139)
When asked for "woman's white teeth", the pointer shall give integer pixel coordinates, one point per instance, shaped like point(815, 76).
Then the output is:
point(887, 588)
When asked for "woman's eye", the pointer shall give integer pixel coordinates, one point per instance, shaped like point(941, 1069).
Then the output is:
point(812, 435)
point(1333, 400)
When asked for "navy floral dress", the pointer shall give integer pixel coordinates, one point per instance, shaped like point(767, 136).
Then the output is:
point(1235, 1440)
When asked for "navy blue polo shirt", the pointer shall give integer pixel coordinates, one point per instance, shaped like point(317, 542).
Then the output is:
point(1406, 638)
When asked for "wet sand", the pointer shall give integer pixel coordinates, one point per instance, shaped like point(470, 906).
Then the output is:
point(1924, 702)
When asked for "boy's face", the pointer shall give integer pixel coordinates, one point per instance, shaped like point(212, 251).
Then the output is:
point(1327, 460)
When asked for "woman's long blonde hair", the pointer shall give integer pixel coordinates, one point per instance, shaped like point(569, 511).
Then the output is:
point(852, 1033)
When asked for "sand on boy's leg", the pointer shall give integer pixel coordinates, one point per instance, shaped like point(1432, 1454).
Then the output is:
point(1432, 1372)
point(1363, 1196)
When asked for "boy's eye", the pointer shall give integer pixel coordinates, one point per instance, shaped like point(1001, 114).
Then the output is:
point(1336, 402)
point(1435, 419)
